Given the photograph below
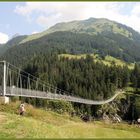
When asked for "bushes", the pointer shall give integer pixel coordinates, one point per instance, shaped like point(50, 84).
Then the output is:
point(54, 105)
point(59, 106)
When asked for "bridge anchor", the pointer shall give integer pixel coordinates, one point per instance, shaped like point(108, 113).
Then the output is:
point(4, 100)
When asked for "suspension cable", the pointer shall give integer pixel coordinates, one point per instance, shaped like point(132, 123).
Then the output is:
point(40, 81)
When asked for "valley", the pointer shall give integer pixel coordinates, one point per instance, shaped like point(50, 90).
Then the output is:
point(89, 59)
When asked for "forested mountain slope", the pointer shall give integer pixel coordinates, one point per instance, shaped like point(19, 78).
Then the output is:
point(100, 36)
point(12, 42)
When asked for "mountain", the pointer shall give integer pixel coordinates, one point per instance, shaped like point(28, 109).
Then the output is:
point(0, 45)
point(101, 36)
point(1, 49)
point(16, 39)
point(15, 35)
point(90, 26)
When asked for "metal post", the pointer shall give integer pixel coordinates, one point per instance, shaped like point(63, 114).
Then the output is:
point(4, 79)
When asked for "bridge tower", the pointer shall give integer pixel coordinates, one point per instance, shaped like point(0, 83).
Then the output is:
point(4, 99)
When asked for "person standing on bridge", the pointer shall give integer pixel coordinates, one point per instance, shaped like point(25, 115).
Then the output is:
point(22, 109)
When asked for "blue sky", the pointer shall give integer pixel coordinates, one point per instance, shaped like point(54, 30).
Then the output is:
point(12, 23)
point(32, 17)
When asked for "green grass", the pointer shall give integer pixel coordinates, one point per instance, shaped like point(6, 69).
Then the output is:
point(118, 62)
point(79, 56)
point(33, 37)
point(108, 60)
point(38, 123)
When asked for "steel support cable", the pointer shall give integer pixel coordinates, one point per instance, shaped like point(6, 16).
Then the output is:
point(39, 81)
point(28, 84)
point(27, 77)
point(18, 81)
point(10, 78)
point(42, 82)
point(21, 84)
point(7, 69)
point(30, 74)
point(36, 84)
point(36, 78)
point(18, 78)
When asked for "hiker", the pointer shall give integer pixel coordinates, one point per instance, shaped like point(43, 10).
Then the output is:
point(22, 109)
point(138, 120)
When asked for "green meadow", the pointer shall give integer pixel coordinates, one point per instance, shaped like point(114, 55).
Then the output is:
point(39, 123)
point(108, 60)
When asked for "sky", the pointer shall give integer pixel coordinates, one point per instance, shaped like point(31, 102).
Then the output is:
point(27, 18)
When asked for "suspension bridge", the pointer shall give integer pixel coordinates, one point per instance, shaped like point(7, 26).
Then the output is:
point(16, 82)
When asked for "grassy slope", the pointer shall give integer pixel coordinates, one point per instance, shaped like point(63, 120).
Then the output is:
point(99, 25)
point(107, 61)
point(46, 124)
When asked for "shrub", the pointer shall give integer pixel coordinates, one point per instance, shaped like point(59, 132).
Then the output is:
point(59, 106)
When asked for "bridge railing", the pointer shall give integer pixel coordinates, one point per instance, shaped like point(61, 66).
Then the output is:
point(14, 91)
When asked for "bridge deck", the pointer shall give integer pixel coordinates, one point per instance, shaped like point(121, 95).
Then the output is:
point(48, 95)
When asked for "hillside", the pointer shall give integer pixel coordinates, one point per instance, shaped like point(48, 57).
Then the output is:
point(48, 124)
point(108, 60)
point(2, 49)
point(91, 26)
point(69, 42)
point(100, 36)
point(14, 41)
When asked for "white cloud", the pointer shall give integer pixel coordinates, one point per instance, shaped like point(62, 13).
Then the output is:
point(35, 32)
point(3, 38)
point(48, 21)
point(49, 13)
point(136, 10)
